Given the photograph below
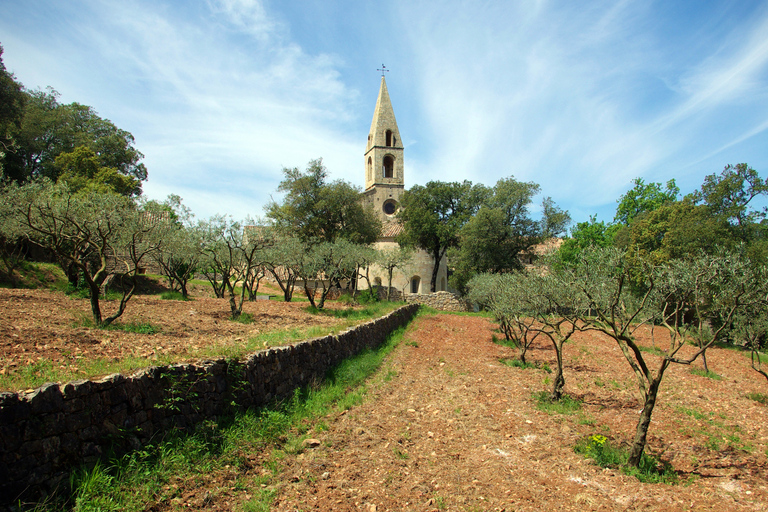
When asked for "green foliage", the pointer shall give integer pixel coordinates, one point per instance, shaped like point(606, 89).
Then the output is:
point(50, 129)
point(173, 295)
point(587, 234)
point(706, 373)
point(493, 239)
point(607, 455)
point(369, 296)
point(565, 405)
point(315, 209)
point(433, 214)
point(758, 397)
point(643, 198)
point(12, 104)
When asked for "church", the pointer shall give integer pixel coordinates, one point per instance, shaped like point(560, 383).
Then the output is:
point(384, 187)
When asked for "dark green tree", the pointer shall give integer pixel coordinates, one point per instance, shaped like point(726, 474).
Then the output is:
point(50, 129)
point(12, 100)
point(432, 216)
point(493, 239)
point(314, 209)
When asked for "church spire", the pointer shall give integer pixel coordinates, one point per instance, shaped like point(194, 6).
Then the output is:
point(384, 132)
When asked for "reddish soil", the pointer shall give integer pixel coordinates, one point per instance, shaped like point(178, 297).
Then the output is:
point(42, 325)
point(447, 426)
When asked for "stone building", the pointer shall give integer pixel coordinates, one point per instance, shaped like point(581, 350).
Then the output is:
point(384, 187)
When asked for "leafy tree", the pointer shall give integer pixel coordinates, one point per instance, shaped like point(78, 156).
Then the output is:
point(390, 259)
point(282, 259)
point(230, 256)
point(100, 234)
point(728, 196)
point(12, 100)
point(50, 128)
point(502, 229)
point(179, 256)
point(315, 210)
point(644, 197)
point(327, 263)
point(601, 277)
point(81, 169)
point(528, 305)
point(587, 234)
point(432, 216)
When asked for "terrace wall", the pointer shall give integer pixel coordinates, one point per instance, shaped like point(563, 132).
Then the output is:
point(47, 433)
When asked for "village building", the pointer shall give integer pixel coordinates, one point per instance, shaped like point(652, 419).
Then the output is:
point(384, 186)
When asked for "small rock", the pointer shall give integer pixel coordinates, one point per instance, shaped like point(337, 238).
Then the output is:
point(325, 476)
point(311, 443)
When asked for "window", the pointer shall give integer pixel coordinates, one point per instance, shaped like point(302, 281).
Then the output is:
point(389, 164)
point(370, 168)
point(389, 138)
point(389, 206)
point(377, 281)
point(415, 282)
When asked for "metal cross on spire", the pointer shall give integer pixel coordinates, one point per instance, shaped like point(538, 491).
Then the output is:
point(383, 70)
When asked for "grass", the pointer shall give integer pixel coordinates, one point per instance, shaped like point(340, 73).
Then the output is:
point(173, 295)
point(32, 274)
point(160, 474)
point(566, 405)
point(715, 432)
point(371, 310)
point(758, 397)
point(607, 455)
point(517, 363)
point(706, 373)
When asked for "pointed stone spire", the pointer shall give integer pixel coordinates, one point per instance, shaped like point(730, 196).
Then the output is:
point(384, 121)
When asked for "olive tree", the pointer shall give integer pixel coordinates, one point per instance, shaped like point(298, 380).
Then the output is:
point(102, 235)
point(722, 282)
point(231, 256)
point(393, 258)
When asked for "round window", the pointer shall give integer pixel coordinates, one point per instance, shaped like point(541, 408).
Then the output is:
point(390, 207)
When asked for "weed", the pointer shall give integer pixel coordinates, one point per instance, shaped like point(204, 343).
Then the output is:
point(400, 454)
point(566, 405)
point(173, 295)
point(412, 343)
point(244, 318)
point(605, 454)
point(517, 363)
point(652, 350)
point(758, 397)
point(706, 373)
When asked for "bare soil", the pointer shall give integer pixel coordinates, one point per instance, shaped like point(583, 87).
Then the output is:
point(446, 425)
point(457, 430)
point(43, 325)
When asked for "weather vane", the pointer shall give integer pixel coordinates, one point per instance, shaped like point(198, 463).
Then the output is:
point(383, 69)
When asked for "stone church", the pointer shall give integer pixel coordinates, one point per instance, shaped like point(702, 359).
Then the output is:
point(384, 186)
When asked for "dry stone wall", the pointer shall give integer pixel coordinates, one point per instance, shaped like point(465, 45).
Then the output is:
point(47, 433)
point(444, 301)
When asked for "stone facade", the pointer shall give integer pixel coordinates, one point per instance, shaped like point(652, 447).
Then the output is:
point(384, 187)
point(47, 433)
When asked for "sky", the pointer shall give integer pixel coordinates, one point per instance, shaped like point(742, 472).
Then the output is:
point(579, 97)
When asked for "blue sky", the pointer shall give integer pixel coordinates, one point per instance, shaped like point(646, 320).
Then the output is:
point(579, 97)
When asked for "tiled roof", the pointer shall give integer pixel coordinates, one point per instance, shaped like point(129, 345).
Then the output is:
point(391, 229)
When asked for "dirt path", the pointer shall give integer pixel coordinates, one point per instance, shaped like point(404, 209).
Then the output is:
point(448, 427)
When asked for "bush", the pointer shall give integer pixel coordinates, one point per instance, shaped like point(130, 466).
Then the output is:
point(600, 449)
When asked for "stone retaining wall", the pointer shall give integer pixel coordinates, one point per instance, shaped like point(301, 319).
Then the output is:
point(444, 301)
point(47, 433)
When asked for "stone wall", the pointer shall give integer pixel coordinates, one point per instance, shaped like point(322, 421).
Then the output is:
point(47, 433)
point(444, 301)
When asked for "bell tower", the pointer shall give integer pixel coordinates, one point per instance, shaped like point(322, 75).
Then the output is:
point(384, 181)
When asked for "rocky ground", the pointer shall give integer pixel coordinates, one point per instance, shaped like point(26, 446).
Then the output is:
point(447, 426)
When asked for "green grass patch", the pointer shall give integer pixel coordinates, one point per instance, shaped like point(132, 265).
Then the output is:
point(652, 350)
point(150, 475)
point(517, 363)
point(173, 295)
point(607, 455)
point(701, 372)
point(244, 318)
point(758, 397)
point(367, 312)
point(566, 405)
